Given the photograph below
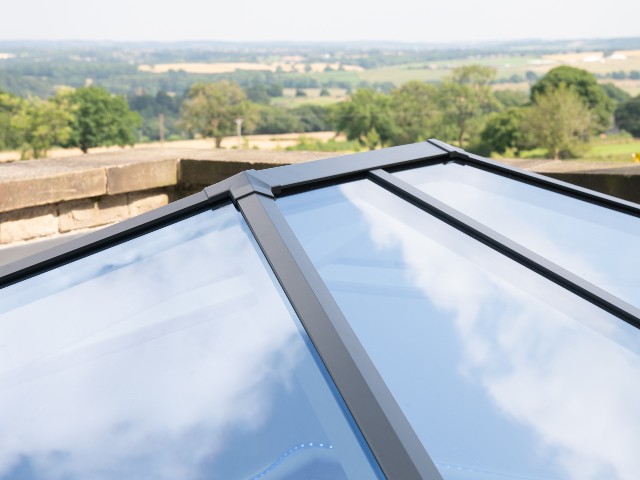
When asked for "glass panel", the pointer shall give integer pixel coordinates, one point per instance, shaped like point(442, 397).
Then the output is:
point(596, 243)
point(502, 373)
point(172, 356)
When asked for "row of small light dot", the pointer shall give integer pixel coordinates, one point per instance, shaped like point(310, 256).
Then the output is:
point(288, 453)
point(468, 469)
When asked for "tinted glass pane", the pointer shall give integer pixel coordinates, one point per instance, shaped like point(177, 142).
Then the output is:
point(173, 356)
point(502, 373)
point(596, 243)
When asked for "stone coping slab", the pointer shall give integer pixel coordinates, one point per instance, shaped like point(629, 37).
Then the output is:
point(41, 182)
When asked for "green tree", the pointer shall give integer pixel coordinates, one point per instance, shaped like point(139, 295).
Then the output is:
point(559, 121)
point(40, 124)
point(211, 110)
point(9, 106)
point(100, 118)
point(531, 76)
point(628, 116)
point(150, 107)
point(366, 117)
point(258, 94)
point(276, 120)
point(503, 132)
point(512, 98)
point(465, 99)
point(313, 118)
point(616, 94)
point(415, 112)
point(585, 85)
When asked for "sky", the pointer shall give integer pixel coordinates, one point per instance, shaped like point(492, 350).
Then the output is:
point(327, 20)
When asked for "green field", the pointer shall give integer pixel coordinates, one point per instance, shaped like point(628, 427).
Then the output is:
point(402, 74)
point(292, 102)
point(620, 150)
point(614, 148)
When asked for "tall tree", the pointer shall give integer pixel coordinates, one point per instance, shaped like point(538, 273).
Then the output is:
point(40, 124)
point(465, 99)
point(628, 116)
point(503, 132)
point(9, 106)
point(415, 112)
point(584, 84)
point(100, 118)
point(559, 121)
point(211, 110)
point(366, 117)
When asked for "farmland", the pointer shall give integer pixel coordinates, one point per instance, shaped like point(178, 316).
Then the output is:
point(128, 69)
point(510, 69)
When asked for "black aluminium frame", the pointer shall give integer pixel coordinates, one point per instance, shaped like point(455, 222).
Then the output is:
point(393, 442)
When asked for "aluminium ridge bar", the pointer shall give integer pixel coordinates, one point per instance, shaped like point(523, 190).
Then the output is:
point(390, 437)
point(536, 179)
point(508, 247)
point(328, 169)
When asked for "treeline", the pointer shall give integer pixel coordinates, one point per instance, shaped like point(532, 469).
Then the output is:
point(25, 78)
point(565, 108)
point(621, 75)
point(84, 118)
point(262, 118)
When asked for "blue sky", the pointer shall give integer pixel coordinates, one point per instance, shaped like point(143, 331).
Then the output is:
point(311, 20)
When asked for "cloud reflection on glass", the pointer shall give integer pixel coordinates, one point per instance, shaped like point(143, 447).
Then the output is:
point(596, 243)
point(171, 356)
point(502, 373)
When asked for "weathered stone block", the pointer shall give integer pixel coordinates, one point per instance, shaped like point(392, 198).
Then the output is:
point(89, 213)
point(77, 214)
point(141, 202)
point(28, 223)
point(141, 176)
point(28, 190)
point(112, 209)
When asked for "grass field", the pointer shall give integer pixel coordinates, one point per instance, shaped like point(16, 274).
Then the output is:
point(614, 148)
point(403, 73)
point(254, 142)
point(292, 102)
point(289, 99)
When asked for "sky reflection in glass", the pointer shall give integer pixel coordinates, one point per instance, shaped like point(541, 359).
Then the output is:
point(171, 356)
point(596, 243)
point(502, 373)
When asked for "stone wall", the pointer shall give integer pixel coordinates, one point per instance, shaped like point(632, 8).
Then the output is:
point(85, 214)
point(50, 198)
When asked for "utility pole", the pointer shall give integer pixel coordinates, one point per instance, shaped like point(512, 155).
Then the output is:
point(239, 131)
point(161, 125)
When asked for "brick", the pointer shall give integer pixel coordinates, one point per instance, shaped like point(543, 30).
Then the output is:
point(28, 223)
